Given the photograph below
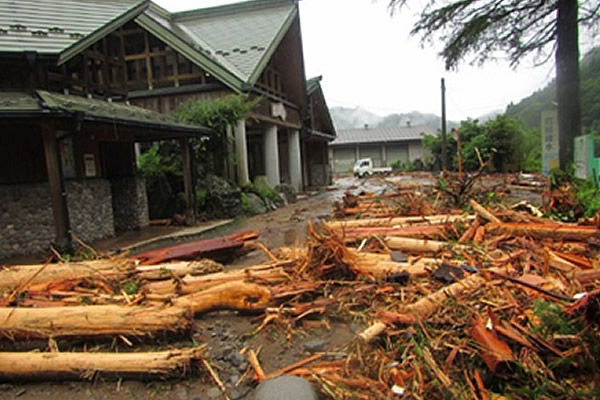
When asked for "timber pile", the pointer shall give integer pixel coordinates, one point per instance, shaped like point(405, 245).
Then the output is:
point(479, 304)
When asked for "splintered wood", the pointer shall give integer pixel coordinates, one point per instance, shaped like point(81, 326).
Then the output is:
point(455, 302)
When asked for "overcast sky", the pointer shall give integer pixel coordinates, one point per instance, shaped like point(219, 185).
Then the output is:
point(368, 59)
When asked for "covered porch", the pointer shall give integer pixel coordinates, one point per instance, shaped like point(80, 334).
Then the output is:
point(269, 145)
point(67, 169)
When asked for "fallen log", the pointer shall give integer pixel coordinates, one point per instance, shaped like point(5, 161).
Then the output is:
point(272, 273)
point(422, 232)
point(34, 365)
point(180, 269)
point(23, 323)
point(378, 267)
point(201, 248)
point(544, 231)
point(415, 245)
point(15, 276)
point(237, 296)
point(429, 305)
point(400, 221)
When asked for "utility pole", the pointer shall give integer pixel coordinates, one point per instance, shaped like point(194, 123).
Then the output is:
point(444, 143)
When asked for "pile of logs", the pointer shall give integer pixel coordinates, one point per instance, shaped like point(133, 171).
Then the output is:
point(445, 298)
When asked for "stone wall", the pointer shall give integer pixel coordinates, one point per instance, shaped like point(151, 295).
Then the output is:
point(130, 204)
point(90, 209)
point(27, 223)
point(320, 174)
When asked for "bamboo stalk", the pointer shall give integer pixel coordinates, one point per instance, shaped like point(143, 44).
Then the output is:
point(36, 365)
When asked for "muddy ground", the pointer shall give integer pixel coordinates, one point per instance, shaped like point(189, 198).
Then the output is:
point(224, 332)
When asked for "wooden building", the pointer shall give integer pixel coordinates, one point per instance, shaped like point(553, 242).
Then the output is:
point(384, 145)
point(94, 77)
point(67, 163)
point(320, 131)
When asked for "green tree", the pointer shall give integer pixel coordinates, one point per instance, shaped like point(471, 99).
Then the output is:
point(217, 115)
point(483, 28)
point(504, 139)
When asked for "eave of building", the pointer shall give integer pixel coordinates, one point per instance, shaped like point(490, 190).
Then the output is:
point(42, 104)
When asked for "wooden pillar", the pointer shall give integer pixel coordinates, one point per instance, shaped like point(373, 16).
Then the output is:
point(294, 159)
point(241, 152)
point(188, 181)
point(58, 196)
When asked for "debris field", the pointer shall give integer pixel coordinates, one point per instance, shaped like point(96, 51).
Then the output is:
point(457, 299)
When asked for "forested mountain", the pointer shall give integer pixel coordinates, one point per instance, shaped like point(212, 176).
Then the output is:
point(529, 109)
point(349, 118)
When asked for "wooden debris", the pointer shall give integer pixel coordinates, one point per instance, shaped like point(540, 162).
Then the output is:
point(202, 248)
point(239, 296)
point(545, 231)
point(88, 321)
point(495, 349)
point(36, 365)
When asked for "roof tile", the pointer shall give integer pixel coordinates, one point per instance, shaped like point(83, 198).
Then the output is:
point(385, 134)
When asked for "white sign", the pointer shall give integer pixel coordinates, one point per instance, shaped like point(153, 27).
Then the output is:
point(278, 110)
point(89, 162)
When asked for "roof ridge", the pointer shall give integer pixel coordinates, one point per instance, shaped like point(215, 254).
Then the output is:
point(372, 128)
point(227, 9)
point(163, 12)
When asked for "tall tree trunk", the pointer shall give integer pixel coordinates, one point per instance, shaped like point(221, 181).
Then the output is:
point(567, 80)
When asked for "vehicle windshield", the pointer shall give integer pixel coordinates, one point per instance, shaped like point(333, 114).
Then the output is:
point(361, 163)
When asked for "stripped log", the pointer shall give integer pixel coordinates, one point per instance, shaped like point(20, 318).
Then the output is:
point(15, 276)
point(378, 266)
point(272, 273)
point(545, 231)
point(400, 221)
point(20, 323)
point(238, 296)
point(415, 245)
point(179, 269)
point(430, 304)
point(34, 365)
point(423, 232)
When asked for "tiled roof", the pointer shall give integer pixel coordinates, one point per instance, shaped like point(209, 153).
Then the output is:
point(239, 38)
point(380, 135)
point(47, 103)
point(53, 26)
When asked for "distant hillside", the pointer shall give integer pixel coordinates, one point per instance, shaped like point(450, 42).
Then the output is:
point(529, 109)
point(349, 118)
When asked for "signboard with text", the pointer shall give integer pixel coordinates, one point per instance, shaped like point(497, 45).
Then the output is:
point(549, 141)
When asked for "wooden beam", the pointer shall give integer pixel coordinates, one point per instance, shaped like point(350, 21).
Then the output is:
point(58, 196)
point(148, 60)
point(188, 182)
